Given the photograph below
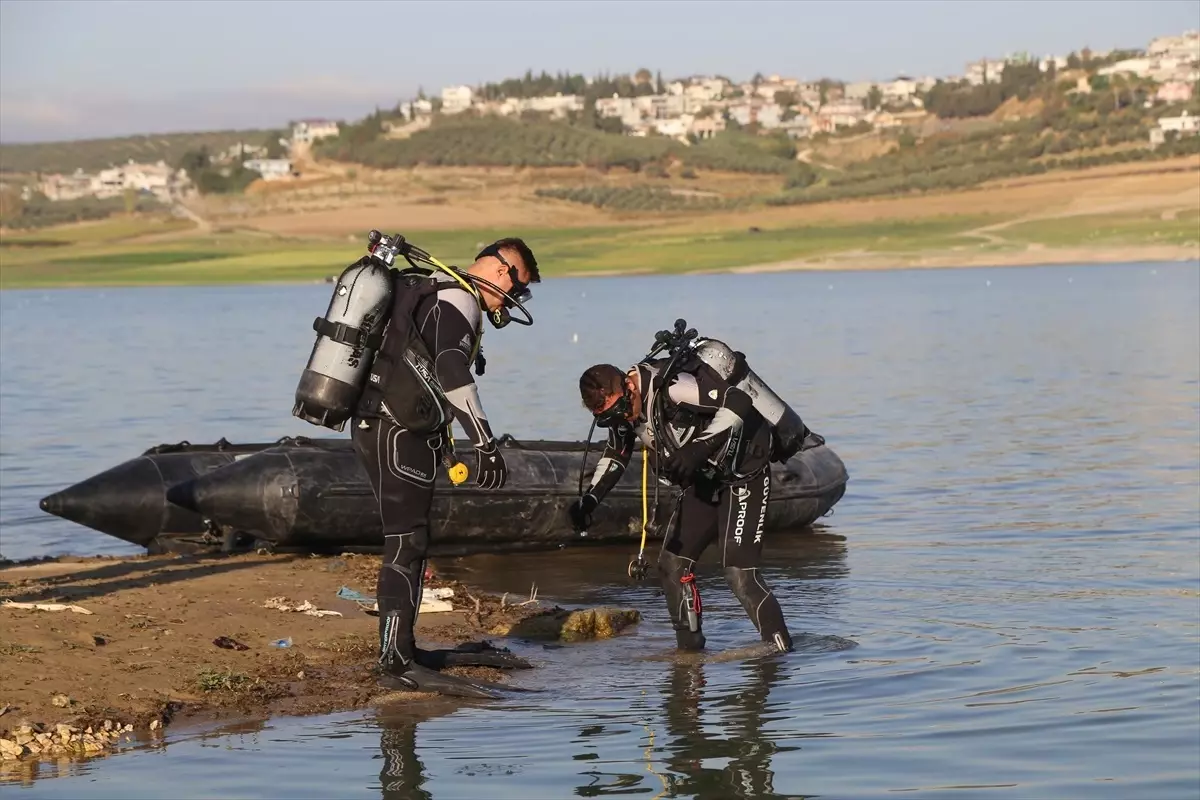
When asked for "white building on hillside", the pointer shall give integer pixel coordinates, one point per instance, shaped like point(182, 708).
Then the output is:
point(456, 99)
point(158, 179)
point(1185, 48)
point(900, 90)
point(416, 108)
point(271, 169)
point(984, 71)
point(307, 131)
point(557, 106)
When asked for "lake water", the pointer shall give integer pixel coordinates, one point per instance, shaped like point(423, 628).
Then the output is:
point(1006, 602)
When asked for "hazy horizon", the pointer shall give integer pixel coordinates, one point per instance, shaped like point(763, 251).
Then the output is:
point(74, 70)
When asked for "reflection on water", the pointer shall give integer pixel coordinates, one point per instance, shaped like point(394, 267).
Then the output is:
point(402, 774)
point(1003, 605)
point(735, 758)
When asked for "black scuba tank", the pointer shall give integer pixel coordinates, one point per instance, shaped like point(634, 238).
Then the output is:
point(348, 337)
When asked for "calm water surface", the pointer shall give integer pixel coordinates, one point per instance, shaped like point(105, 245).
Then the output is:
point(1006, 603)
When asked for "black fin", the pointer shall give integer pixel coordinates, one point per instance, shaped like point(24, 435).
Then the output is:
point(472, 654)
point(417, 678)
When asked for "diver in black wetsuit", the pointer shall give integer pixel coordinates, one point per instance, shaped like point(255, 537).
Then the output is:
point(403, 465)
point(723, 466)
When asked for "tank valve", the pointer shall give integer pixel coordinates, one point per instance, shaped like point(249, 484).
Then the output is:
point(458, 473)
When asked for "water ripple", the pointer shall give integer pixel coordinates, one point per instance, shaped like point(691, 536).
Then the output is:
point(1003, 605)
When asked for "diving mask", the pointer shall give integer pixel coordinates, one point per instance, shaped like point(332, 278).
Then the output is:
point(516, 296)
point(618, 413)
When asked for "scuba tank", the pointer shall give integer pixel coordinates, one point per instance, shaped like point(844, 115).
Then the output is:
point(790, 430)
point(340, 371)
point(348, 337)
point(682, 345)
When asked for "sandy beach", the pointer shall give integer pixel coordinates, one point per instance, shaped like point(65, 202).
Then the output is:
point(148, 652)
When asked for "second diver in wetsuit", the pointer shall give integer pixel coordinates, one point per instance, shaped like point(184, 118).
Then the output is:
point(724, 468)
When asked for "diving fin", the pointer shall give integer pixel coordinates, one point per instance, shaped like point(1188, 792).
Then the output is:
point(416, 678)
point(472, 654)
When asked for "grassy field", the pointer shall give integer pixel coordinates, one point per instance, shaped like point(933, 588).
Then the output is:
point(233, 258)
point(1181, 229)
point(1101, 214)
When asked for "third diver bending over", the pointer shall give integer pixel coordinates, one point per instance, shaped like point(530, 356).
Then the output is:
point(724, 466)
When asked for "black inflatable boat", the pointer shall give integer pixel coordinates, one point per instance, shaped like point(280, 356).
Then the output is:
point(312, 495)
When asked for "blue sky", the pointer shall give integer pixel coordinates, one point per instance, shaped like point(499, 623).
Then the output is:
point(73, 69)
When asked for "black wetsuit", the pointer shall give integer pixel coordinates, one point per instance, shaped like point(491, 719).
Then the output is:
point(403, 466)
point(725, 499)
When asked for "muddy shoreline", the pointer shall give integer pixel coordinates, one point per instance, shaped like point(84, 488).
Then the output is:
point(200, 640)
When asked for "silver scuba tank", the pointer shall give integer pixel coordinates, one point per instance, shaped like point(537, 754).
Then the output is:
point(789, 428)
point(348, 337)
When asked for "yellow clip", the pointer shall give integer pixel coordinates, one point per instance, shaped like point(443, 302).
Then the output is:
point(458, 473)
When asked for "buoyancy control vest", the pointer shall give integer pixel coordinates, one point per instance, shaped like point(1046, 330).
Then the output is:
point(402, 384)
point(788, 431)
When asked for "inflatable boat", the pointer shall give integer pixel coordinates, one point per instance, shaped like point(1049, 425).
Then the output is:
point(302, 494)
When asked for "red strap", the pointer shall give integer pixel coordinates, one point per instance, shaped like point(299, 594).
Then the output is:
point(690, 580)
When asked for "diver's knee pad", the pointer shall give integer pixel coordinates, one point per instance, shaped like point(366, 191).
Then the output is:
point(683, 600)
point(760, 604)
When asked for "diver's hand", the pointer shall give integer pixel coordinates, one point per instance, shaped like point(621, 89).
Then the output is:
point(681, 465)
point(491, 472)
point(581, 511)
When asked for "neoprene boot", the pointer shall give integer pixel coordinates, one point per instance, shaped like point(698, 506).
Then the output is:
point(683, 600)
point(393, 659)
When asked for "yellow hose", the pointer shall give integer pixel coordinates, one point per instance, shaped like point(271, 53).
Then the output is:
point(645, 493)
point(474, 290)
point(458, 471)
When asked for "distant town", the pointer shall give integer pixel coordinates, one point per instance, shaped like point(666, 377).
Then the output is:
point(688, 110)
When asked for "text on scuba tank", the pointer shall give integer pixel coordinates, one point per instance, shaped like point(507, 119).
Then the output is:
point(356, 353)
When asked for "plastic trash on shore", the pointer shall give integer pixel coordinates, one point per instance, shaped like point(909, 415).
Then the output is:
point(281, 604)
point(346, 593)
point(46, 607)
point(432, 600)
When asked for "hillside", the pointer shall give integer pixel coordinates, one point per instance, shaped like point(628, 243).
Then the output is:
point(1029, 123)
point(1121, 212)
point(96, 154)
